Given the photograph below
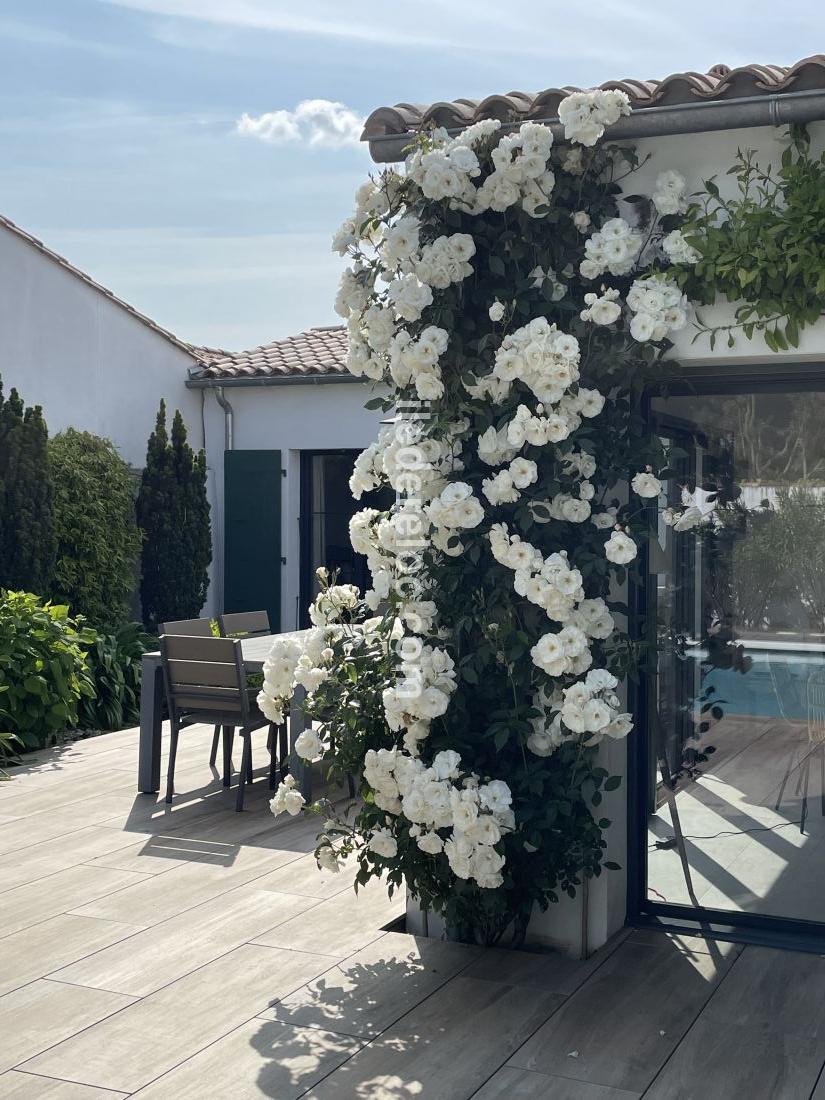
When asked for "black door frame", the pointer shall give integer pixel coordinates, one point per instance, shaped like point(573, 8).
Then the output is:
point(641, 910)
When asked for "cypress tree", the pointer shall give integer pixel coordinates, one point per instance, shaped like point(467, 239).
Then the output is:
point(173, 512)
point(27, 537)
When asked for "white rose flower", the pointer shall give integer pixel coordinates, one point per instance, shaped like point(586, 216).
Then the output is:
point(603, 520)
point(643, 327)
point(646, 485)
point(308, 745)
point(496, 310)
point(287, 798)
point(599, 679)
point(677, 249)
point(524, 472)
point(446, 764)
point(383, 843)
point(575, 511)
point(431, 843)
point(604, 311)
point(620, 548)
point(620, 727)
point(548, 655)
point(581, 220)
point(596, 715)
point(495, 796)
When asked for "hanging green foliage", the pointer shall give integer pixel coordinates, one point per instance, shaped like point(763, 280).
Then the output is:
point(27, 541)
point(173, 513)
point(98, 542)
point(763, 249)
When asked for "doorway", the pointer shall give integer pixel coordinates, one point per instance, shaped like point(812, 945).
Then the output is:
point(327, 506)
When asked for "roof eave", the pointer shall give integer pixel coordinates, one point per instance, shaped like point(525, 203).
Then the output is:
point(745, 112)
point(205, 383)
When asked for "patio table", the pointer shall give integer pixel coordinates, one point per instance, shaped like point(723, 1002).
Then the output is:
point(255, 651)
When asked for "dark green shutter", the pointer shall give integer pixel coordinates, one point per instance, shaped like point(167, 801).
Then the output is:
point(252, 533)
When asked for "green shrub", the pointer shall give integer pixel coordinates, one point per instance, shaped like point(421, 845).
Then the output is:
point(43, 668)
point(114, 665)
point(27, 544)
point(173, 513)
point(97, 538)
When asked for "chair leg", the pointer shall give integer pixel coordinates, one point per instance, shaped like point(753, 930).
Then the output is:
point(351, 784)
point(249, 774)
point(213, 756)
point(283, 750)
point(228, 737)
point(246, 764)
point(173, 751)
point(271, 743)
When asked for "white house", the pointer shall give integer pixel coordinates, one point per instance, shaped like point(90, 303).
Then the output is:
point(734, 846)
point(284, 423)
point(288, 411)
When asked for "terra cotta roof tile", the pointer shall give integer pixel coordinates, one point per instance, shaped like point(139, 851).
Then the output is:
point(318, 351)
point(720, 82)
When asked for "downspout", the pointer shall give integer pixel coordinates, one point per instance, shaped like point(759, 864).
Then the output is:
point(228, 418)
point(677, 118)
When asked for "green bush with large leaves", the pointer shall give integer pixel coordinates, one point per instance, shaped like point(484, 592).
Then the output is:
point(97, 537)
point(114, 665)
point(44, 672)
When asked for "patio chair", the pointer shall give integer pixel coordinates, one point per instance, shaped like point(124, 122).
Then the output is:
point(246, 624)
point(206, 682)
point(250, 624)
point(195, 628)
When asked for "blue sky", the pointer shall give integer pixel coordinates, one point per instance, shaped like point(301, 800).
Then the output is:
point(121, 146)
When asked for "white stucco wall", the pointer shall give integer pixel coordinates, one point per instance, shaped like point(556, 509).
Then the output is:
point(289, 418)
point(84, 358)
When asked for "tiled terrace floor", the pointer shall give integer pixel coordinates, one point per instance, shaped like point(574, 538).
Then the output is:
point(198, 953)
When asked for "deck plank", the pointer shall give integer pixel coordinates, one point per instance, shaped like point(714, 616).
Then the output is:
point(524, 1084)
point(444, 1049)
point(619, 1028)
point(154, 1034)
point(367, 992)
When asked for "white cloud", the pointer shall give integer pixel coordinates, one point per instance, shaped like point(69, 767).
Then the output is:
point(318, 122)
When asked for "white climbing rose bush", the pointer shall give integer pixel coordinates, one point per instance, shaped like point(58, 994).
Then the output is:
point(510, 305)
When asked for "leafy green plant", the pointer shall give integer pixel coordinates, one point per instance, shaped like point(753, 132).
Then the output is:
point(8, 753)
point(764, 248)
point(27, 543)
point(114, 666)
point(44, 672)
point(97, 538)
point(173, 513)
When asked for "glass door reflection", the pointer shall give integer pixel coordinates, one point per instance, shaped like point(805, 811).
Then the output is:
point(736, 814)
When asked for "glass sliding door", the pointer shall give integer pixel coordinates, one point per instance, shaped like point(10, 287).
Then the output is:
point(734, 775)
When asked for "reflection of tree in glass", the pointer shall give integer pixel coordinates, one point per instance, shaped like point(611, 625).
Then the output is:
point(801, 514)
point(778, 559)
point(779, 439)
point(761, 580)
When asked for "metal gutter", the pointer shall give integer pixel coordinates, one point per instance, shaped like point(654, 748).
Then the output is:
point(270, 380)
point(778, 109)
point(228, 418)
